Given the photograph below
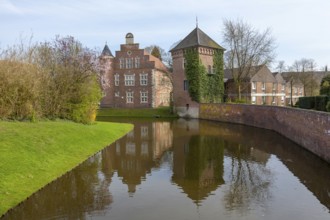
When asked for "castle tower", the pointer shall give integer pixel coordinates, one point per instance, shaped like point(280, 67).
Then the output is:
point(106, 61)
point(206, 47)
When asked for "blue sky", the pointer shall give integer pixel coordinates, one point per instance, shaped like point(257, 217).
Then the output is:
point(301, 27)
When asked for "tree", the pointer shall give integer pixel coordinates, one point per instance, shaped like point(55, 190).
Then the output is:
point(305, 74)
point(281, 67)
point(164, 56)
point(247, 48)
point(325, 86)
point(54, 79)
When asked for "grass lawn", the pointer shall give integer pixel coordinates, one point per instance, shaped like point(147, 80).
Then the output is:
point(34, 154)
point(163, 112)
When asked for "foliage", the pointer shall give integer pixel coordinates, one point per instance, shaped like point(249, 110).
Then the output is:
point(202, 87)
point(328, 106)
point(156, 52)
point(318, 103)
point(55, 79)
point(194, 73)
point(44, 151)
point(325, 86)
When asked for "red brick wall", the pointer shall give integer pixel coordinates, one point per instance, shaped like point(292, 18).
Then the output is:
point(310, 129)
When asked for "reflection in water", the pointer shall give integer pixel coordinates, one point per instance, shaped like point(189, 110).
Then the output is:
point(170, 169)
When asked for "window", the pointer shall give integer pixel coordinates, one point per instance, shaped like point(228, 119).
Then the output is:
point(263, 86)
point(117, 148)
point(130, 148)
point(184, 63)
point(185, 85)
point(129, 97)
point(116, 80)
point(283, 86)
point(264, 100)
point(137, 62)
point(144, 79)
point(144, 97)
point(253, 99)
point(144, 149)
point(144, 131)
point(273, 100)
point(130, 80)
point(121, 63)
point(209, 69)
point(274, 86)
point(129, 63)
point(116, 94)
point(253, 86)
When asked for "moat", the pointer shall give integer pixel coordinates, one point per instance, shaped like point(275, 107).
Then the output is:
point(189, 169)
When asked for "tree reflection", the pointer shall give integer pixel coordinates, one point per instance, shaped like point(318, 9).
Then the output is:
point(198, 166)
point(248, 177)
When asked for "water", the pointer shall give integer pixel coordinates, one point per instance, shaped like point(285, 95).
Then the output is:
point(189, 170)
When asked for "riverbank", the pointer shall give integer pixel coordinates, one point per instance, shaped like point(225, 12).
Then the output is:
point(34, 154)
point(163, 112)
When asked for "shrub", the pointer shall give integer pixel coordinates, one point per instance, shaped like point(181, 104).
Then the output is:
point(306, 102)
point(328, 106)
point(318, 103)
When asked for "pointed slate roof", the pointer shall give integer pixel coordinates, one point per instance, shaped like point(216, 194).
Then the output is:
point(106, 51)
point(197, 38)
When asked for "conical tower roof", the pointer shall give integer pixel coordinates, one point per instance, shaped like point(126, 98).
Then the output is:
point(197, 38)
point(106, 51)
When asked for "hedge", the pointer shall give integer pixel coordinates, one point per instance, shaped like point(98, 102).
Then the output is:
point(318, 103)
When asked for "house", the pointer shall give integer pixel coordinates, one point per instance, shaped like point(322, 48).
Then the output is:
point(206, 47)
point(260, 87)
point(133, 78)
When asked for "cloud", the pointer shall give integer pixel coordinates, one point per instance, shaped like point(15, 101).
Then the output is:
point(6, 6)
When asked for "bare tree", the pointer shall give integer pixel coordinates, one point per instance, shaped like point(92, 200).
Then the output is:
point(281, 67)
point(305, 74)
point(247, 48)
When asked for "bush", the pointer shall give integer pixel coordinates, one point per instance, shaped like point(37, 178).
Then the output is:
point(318, 103)
point(328, 106)
point(321, 103)
point(306, 102)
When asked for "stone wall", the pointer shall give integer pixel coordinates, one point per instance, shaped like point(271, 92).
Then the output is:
point(310, 129)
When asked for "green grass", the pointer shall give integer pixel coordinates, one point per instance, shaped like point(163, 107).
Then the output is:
point(163, 112)
point(34, 154)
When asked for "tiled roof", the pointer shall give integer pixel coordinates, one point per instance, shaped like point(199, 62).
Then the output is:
point(106, 51)
point(158, 63)
point(197, 38)
point(257, 74)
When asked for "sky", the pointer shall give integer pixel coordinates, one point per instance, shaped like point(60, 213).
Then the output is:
point(301, 28)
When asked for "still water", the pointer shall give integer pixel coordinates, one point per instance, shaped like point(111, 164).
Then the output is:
point(189, 169)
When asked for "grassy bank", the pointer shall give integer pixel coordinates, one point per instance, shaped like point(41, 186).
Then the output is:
point(34, 154)
point(141, 113)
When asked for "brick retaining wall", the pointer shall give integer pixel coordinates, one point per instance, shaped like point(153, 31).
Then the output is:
point(310, 129)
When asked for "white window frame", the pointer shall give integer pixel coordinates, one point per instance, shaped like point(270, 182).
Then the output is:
point(144, 97)
point(117, 80)
point(129, 97)
point(130, 80)
point(121, 63)
point(253, 99)
point(129, 63)
point(144, 79)
point(263, 86)
point(137, 62)
point(254, 86)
